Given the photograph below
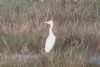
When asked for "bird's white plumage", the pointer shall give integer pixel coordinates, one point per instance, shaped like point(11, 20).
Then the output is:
point(50, 41)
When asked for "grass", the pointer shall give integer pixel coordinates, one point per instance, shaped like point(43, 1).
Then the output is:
point(76, 26)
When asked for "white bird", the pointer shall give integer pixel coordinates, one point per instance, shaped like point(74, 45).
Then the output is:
point(41, 0)
point(50, 41)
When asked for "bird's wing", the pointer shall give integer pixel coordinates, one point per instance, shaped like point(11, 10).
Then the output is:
point(50, 42)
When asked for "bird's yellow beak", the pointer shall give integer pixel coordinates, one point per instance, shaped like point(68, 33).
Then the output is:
point(45, 22)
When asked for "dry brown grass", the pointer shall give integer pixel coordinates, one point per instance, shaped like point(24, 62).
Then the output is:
point(76, 26)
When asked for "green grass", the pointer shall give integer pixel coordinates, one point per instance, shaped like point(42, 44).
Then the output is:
point(76, 26)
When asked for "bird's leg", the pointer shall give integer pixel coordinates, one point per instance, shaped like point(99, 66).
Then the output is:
point(51, 56)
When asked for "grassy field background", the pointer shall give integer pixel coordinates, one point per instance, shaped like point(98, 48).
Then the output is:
point(76, 26)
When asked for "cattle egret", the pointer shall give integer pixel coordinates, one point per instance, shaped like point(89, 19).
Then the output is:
point(50, 41)
point(41, 0)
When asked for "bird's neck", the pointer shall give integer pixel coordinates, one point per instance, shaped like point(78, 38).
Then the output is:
point(50, 30)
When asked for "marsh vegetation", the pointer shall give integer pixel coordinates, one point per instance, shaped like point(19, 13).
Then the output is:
point(23, 33)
